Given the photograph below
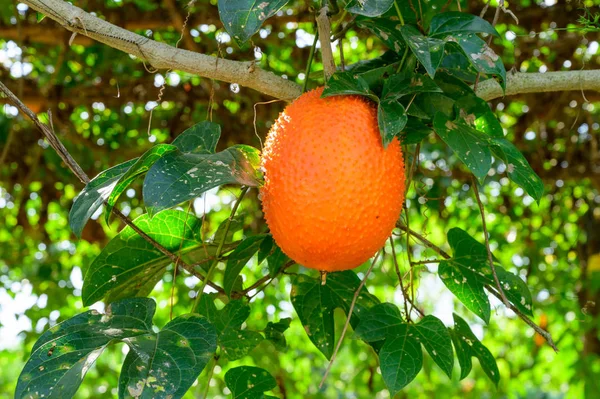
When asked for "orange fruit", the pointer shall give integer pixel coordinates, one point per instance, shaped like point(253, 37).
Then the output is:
point(332, 193)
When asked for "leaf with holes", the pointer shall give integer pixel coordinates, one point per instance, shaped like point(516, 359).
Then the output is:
point(453, 22)
point(158, 365)
point(347, 83)
point(470, 145)
point(130, 266)
point(63, 354)
point(243, 18)
point(387, 30)
point(164, 365)
point(178, 176)
point(428, 50)
point(518, 168)
point(391, 118)
point(141, 166)
point(369, 8)
point(481, 56)
point(246, 382)
point(467, 346)
point(315, 304)
point(238, 259)
point(94, 194)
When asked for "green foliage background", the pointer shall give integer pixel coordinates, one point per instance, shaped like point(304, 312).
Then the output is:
point(100, 103)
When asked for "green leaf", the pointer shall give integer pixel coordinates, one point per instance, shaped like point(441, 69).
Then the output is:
point(429, 51)
point(434, 336)
point(414, 132)
point(178, 177)
point(369, 8)
point(94, 194)
point(433, 103)
point(130, 266)
point(170, 360)
point(238, 259)
point(377, 70)
point(243, 18)
point(347, 83)
point(62, 355)
point(387, 30)
point(404, 84)
point(238, 343)
point(467, 346)
point(276, 261)
point(456, 64)
point(453, 22)
point(400, 360)
point(470, 145)
point(470, 259)
point(39, 16)
point(235, 225)
point(274, 332)
point(141, 166)
point(247, 382)
point(518, 168)
point(383, 321)
point(477, 112)
point(481, 56)
point(234, 341)
point(165, 365)
point(315, 304)
point(202, 138)
point(391, 118)
point(468, 271)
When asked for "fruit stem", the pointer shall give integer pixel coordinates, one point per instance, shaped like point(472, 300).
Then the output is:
point(219, 249)
point(323, 277)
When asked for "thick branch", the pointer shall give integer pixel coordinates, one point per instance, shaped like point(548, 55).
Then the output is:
point(163, 56)
point(519, 83)
point(324, 26)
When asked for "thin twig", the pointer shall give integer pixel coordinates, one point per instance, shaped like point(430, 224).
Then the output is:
point(487, 243)
point(423, 240)
point(350, 311)
point(400, 279)
point(324, 26)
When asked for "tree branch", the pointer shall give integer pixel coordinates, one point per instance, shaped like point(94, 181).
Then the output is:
point(519, 83)
point(324, 26)
point(163, 56)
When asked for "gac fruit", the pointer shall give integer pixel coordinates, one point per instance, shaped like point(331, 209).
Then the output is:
point(332, 193)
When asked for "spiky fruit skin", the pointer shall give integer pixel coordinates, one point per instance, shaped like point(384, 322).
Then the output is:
point(332, 193)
